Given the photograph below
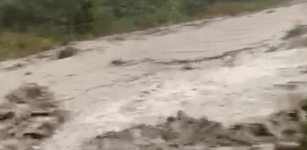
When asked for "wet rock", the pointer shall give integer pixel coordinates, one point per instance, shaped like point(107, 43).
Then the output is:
point(262, 147)
point(183, 132)
point(66, 52)
point(28, 116)
point(178, 132)
point(286, 146)
point(6, 115)
point(28, 73)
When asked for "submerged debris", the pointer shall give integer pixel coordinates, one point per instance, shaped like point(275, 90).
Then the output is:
point(118, 62)
point(183, 132)
point(28, 116)
point(66, 52)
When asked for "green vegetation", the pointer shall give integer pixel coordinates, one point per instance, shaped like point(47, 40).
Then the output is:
point(27, 27)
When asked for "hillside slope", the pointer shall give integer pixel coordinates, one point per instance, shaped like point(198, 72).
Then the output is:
point(229, 69)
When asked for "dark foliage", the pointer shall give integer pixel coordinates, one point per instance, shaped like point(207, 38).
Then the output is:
point(31, 26)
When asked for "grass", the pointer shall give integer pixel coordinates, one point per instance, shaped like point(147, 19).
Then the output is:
point(15, 45)
point(232, 8)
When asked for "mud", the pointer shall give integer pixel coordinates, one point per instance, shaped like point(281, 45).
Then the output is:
point(185, 132)
point(224, 85)
point(66, 52)
point(28, 116)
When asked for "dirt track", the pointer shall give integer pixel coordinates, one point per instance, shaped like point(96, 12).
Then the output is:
point(224, 69)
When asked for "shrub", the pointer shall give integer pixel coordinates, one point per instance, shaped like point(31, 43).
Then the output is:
point(32, 26)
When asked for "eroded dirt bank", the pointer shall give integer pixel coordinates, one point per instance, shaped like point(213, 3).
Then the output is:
point(229, 69)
